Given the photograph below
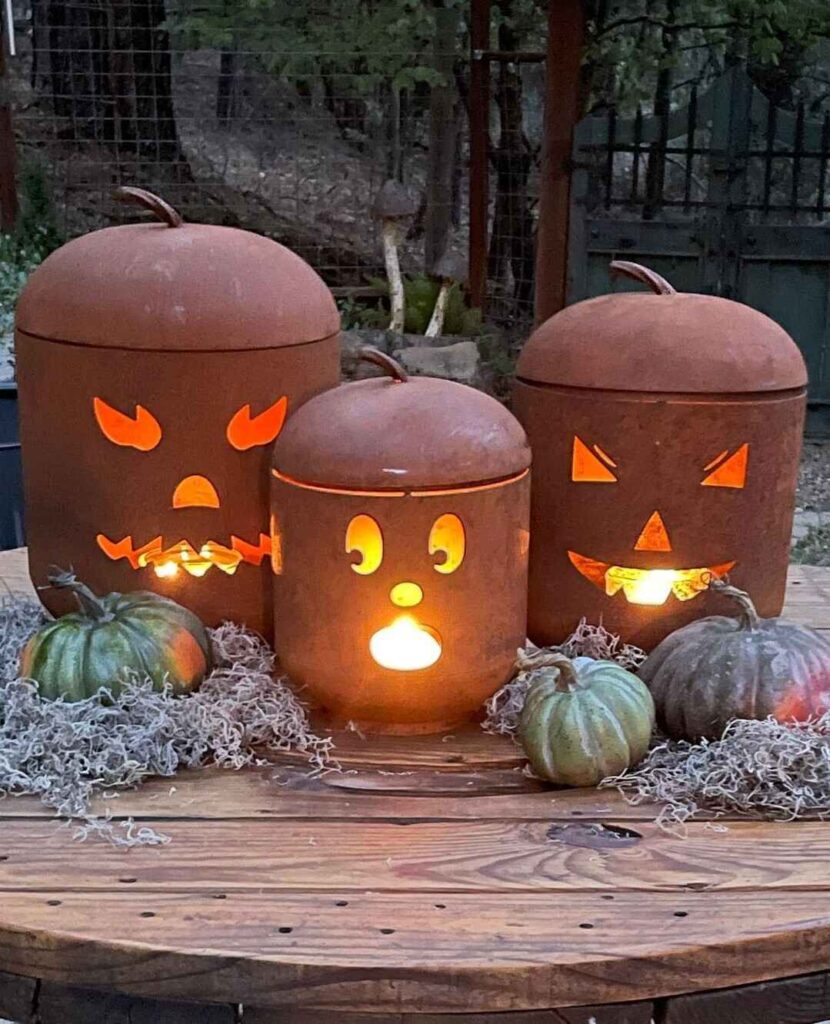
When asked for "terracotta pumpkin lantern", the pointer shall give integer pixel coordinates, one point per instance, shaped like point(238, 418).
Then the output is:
point(666, 431)
point(399, 537)
point(156, 364)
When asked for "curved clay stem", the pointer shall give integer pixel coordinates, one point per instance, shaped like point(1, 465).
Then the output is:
point(385, 362)
point(568, 677)
point(155, 204)
point(749, 618)
point(89, 603)
point(637, 272)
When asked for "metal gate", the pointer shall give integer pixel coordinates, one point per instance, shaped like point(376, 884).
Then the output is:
point(726, 196)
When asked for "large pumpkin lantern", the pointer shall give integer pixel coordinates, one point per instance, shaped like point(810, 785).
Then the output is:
point(156, 365)
point(666, 431)
point(400, 537)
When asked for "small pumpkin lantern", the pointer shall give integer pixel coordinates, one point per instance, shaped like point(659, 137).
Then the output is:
point(156, 364)
point(666, 431)
point(399, 538)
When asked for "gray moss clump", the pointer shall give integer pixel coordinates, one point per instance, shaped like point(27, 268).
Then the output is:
point(67, 753)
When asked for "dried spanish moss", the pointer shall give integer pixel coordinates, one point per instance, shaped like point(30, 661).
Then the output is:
point(66, 754)
point(756, 770)
point(504, 708)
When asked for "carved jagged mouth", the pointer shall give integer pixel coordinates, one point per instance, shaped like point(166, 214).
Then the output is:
point(647, 586)
point(167, 561)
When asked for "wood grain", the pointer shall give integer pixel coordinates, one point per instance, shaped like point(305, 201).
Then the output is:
point(64, 1004)
point(383, 953)
point(475, 856)
point(789, 1001)
point(612, 1013)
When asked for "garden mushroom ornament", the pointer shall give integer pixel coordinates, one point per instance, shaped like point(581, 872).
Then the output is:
point(393, 205)
point(449, 269)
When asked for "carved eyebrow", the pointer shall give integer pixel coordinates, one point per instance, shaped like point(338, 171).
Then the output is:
point(141, 431)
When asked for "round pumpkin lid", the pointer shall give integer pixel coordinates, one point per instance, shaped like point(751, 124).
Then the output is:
point(400, 433)
point(664, 341)
point(172, 285)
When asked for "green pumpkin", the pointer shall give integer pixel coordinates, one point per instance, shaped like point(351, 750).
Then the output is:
point(584, 720)
point(77, 654)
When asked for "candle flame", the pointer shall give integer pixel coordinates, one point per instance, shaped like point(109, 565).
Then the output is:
point(405, 646)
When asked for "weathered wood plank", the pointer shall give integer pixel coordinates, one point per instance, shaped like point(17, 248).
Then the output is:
point(789, 1001)
point(442, 954)
point(64, 1004)
point(286, 792)
point(474, 856)
point(17, 997)
point(612, 1013)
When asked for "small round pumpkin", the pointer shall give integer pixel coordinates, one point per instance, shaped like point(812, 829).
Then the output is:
point(583, 720)
point(77, 654)
point(719, 668)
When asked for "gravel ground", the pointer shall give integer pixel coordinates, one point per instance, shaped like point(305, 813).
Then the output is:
point(814, 477)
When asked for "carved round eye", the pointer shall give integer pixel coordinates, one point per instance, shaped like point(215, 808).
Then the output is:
point(141, 431)
point(591, 466)
point(363, 536)
point(447, 536)
point(727, 470)
point(246, 431)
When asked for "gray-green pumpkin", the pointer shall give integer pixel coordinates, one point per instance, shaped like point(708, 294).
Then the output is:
point(584, 720)
point(77, 654)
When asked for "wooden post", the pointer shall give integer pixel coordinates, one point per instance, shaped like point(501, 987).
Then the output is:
point(479, 113)
point(566, 35)
point(8, 160)
point(443, 130)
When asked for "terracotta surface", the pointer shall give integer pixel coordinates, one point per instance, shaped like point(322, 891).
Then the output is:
point(346, 441)
point(651, 432)
point(193, 339)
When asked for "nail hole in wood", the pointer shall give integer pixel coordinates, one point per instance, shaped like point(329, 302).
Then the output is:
point(147, 913)
point(440, 906)
point(53, 903)
point(585, 924)
point(681, 913)
point(220, 896)
point(342, 903)
point(285, 930)
point(128, 881)
point(4, 856)
point(387, 931)
point(606, 896)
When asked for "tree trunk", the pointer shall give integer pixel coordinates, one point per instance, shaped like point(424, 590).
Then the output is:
point(512, 237)
point(656, 163)
point(227, 106)
point(443, 135)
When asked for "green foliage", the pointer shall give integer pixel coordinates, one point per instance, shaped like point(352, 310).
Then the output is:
point(814, 547)
point(420, 295)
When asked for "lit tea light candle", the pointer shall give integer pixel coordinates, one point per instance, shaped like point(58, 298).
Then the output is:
point(405, 646)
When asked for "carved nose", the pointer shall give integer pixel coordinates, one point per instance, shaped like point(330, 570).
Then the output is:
point(195, 491)
point(654, 536)
point(406, 594)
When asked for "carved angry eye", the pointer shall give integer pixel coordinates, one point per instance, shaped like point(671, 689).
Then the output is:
point(141, 431)
point(447, 537)
point(727, 470)
point(246, 431)
point(364, 537)
point(591, 466)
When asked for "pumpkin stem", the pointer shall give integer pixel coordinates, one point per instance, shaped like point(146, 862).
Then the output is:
point(749, 617)
point(90, 604)
point(637, 272)
point(551, 659)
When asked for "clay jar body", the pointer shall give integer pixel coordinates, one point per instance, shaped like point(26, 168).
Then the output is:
point(156, 364)
point(666, 432)
point(394, 500)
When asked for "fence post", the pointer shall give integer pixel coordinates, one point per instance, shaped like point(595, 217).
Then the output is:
point(479, 114)
point(566, 36)
point(8, 158)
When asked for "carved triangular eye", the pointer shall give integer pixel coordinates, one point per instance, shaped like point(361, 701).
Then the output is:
point(728, 470)
point(141, 431)
point(246, 431)
point(591, 467)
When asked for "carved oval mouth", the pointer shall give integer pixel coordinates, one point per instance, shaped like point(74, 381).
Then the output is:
point(405, 645)
point(647, 586)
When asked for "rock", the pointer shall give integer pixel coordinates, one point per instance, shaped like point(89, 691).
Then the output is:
point(351, 342)
point(459, 362)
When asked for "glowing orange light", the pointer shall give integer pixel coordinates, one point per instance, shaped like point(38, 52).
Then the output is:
point(195, 492)
point(405, 646)
point(590, 466)
point(406, 594)
point(141, 431)
point(246, 431)
point(447, 536)
point(166, 562)
point(647, 586)
point(730, 472)
point(654, 536)
point(363, 536)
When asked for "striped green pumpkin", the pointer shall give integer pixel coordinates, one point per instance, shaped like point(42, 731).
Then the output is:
point(78, 653)
point(720, 668)
point(584, 720)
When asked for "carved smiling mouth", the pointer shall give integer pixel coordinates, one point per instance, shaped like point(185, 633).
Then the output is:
point(166, 561)
point(647, 586)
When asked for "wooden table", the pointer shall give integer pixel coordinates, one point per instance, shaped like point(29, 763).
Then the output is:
point(430, 881)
